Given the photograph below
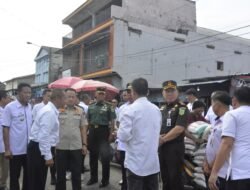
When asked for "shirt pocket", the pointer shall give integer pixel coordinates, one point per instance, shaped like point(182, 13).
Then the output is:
point(62, 118)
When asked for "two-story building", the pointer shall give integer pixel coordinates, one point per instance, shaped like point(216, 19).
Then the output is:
point(119, 40)
point(48, 64)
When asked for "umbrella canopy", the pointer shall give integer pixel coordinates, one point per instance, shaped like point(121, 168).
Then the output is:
point(65, 82)
point(91, 85)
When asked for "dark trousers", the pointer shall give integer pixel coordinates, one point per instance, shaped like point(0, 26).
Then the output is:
point(37, 170)
point(136, 182)
point(53, 168)
point(171, 162)
point(124, 174)
point(72, 160)
point(221, 183)
point(243, 184)
point(16, 164)
point(99, 145)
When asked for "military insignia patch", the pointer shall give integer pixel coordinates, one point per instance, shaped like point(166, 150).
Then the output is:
point(182, 111)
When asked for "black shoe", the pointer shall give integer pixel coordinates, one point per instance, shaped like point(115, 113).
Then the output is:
point(91, 182)
point(53, 181)
point(103, 184)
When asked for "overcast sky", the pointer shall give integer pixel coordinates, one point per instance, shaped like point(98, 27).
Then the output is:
point(40, 22)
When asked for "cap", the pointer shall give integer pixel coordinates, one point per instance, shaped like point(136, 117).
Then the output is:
point(169, 84)
point(101, 89)
point(129, 86)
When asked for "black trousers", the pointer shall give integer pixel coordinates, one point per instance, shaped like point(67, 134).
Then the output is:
point(37, 170)
point(68, 160)
point(53, 168)
point(99, 146)
point(136, 182)
point(16, 164)
point(243, 184)
point(124, 174)
point(171, 163)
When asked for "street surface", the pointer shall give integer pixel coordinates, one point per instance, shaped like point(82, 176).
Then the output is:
point(115, 177)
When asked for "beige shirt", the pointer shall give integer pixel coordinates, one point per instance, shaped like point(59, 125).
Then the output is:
point(71, 121)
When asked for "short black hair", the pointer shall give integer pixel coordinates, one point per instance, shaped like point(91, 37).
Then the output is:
point(46, 90)
point(198, 104)
point(70, 89)
point(22, 85)
point(222, 97)
point(140, 86)
point(3, 94)
point(191, 91)
point(83, 96)
point(242, 94)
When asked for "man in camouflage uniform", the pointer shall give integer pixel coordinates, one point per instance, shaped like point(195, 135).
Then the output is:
point(101, 117)
point(171, 150)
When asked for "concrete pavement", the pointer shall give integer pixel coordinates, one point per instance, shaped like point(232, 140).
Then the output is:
point(115, 177)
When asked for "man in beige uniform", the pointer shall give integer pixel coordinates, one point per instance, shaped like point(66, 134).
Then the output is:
point(72, 142)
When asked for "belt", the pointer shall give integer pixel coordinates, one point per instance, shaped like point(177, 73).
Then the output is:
point(98, 126)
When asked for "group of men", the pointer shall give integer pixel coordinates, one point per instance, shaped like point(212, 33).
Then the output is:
point(58, 133)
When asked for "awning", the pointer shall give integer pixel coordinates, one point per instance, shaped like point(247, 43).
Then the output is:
point(203, 83)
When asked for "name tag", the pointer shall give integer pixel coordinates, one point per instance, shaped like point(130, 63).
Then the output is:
point(169, 122)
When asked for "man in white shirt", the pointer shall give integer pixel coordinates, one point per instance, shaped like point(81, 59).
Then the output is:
point(4, 164)
point(139, 130)
point(84, 101)
point(220, 103)
point(17, 120)
point(191, 97)
point(44, 135)
point(235, 144)
point(120, 145)
point(46, 99)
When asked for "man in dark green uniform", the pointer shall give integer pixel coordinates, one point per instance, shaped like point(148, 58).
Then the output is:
point(171, 150)
point(101, 125)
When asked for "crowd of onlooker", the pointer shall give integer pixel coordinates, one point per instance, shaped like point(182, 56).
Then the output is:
point(211, 147)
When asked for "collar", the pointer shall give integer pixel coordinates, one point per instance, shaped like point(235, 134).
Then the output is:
point(82, 103)
point(19, 105)
point(66, 107)
point(141, 99)
point(172, 104)
point(53, 107)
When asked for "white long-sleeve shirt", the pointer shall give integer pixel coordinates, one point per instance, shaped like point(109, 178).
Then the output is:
point(120, 145)
point(45, 129)
point(213, 146)
point(140, 130)
point(2, 149)
point(36, 109)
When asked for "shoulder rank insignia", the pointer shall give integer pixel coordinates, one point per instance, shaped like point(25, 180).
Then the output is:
point(162, 108)
point(182, 110)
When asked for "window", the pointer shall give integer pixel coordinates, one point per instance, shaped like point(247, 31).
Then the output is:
point(179, 40)
point(209, 46)
point(237, 52)
point(220, 65)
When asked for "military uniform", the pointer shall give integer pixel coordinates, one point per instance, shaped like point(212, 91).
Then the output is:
point(171, 153)
point(100, 114)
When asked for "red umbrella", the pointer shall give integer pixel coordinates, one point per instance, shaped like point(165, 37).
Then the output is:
point(91, 85)
point(65, 82)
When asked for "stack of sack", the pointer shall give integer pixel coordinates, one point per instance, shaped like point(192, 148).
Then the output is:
point(200, 130)
point(198, 160)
